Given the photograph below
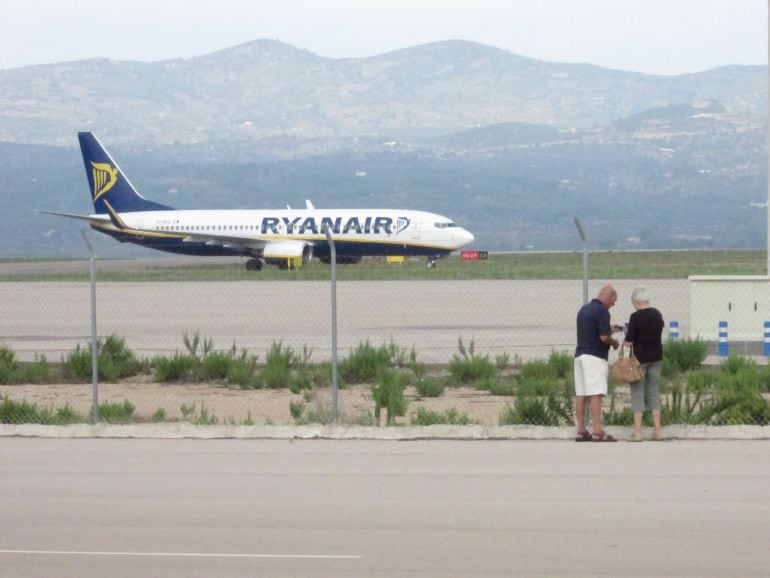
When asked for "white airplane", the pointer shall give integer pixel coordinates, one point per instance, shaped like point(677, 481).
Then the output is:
point(286, 237)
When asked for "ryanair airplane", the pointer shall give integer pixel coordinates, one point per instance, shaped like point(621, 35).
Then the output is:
point(286, 238)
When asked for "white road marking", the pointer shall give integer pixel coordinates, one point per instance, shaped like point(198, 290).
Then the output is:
point(182, 554)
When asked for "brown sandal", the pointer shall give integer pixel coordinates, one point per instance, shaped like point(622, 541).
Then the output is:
point(583, 436)
point(602, 436)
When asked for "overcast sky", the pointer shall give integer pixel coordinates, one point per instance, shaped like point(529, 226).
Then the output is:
point(652, 36)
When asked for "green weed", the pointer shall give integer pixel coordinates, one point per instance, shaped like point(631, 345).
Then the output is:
point(467, 366)
point(450, 417)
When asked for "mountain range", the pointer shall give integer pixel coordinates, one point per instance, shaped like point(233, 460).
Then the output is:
point(513, 148)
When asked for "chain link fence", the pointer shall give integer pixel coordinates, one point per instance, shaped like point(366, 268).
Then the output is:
point(491, 352)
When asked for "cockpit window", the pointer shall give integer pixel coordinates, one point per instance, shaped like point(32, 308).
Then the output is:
point(444, 225)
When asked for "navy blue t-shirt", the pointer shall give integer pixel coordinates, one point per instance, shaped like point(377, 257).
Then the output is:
point(593, 321)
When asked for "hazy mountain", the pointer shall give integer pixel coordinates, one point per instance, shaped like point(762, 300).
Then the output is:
point(511, 147)
point(266, 89)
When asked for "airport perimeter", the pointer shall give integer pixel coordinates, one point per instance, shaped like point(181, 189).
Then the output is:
point(511, 323)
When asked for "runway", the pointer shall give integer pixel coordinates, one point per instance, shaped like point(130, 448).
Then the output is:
point(527, 319)
point(94, 507)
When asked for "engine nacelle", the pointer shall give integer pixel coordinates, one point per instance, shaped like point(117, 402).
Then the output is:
point(281, 251)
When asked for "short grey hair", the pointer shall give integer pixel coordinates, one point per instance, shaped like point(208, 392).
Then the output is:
point(640, 295)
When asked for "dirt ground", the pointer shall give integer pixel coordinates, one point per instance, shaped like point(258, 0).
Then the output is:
point(226, 404)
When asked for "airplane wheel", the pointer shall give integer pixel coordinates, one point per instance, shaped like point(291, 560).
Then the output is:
point(253, 265)
point(431, 264)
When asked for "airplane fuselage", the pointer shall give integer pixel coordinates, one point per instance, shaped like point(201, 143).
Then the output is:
point(365, 232)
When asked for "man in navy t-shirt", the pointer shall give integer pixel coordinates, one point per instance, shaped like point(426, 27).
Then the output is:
point(594, 339)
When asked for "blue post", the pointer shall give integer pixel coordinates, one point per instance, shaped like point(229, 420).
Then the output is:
point(673, 330)
point(723, 339)
point(767, 338)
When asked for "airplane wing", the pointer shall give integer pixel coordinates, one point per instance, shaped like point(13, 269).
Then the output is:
point(90, 218)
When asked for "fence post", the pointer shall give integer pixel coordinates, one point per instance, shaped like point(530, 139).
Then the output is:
point(723, 347)
point(673, 330)
point(767, 338)
point(333, 255)
point(94, 337)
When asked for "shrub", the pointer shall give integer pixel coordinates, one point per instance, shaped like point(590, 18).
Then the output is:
point(113, 360)
point(241, 371)
point(562, 363)
point(77, 364)
point(430, 386)
point(737, 407)
point(303, 379)
point(296, 409)
point(389, 394)
point(450, 417)
point(18, 412)
point(737, 363)
point(536, 411)
point(216, 365)
point(13, 372)
point(365, 363)
point(24, 412)
point(35, 372)
point(175, 368)
point(116, 413)
point(497, 386)
point(684, 354)
point(526, 411)
point(537, 386)
point(276, 373)
point(537, 370)
point(7, 364)
point(467, 366)
point(763, 374)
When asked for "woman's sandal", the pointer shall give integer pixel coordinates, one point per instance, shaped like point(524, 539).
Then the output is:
point(602, 437)
point(583, 436)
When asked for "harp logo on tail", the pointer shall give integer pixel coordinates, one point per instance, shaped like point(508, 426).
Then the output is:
point(105, 177)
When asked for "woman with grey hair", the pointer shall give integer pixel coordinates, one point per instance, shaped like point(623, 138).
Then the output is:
point(645, 328)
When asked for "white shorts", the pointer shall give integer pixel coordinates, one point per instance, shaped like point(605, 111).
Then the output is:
point(590, 375)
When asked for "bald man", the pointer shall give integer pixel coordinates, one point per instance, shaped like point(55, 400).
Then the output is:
point(594, 339)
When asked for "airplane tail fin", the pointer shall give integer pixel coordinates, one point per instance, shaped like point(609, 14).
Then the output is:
point(109, 183)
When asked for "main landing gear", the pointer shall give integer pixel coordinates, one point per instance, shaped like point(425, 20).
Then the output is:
point(253, 265)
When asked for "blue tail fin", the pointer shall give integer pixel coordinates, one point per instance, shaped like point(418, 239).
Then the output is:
point(108, 182)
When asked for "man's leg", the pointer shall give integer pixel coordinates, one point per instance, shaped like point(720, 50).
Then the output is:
point(580, 408)
point(596, 413)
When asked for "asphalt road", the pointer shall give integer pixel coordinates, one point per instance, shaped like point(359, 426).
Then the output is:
point(96, 507)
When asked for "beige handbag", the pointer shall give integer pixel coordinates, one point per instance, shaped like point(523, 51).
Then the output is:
point(626, 369)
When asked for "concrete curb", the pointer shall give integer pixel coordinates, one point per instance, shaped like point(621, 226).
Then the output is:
point(341, 432)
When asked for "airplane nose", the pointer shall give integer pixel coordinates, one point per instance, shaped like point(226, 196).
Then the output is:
point(465, 237)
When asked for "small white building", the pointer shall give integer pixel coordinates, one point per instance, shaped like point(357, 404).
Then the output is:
point(743, 301)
